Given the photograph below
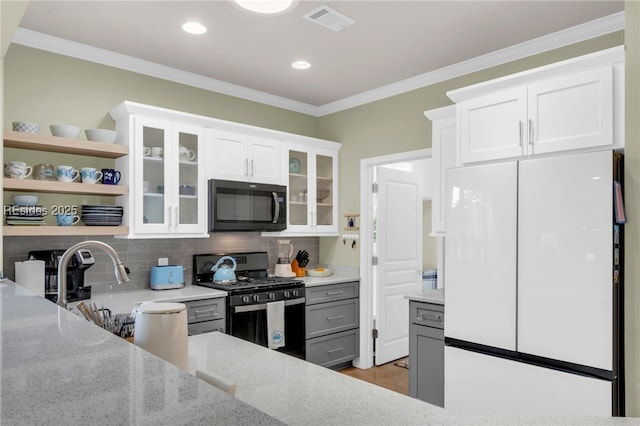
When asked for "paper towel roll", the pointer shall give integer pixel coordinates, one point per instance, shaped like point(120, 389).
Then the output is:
point(30, 275)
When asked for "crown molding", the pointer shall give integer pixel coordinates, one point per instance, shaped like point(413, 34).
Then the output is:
point(589, 30)
point(596, 28)
point(85, 52)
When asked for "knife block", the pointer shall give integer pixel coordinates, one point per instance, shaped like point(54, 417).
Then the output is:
point(297, 269)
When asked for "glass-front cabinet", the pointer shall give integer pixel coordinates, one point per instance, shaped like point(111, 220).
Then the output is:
point(167, 187)
point(312, 185)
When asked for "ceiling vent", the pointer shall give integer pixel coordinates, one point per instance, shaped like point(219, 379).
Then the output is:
point(329, 18)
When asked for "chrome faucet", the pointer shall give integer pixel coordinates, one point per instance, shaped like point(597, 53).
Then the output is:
point(120, 270)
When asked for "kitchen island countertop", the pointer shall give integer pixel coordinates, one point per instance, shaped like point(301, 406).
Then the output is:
point(59, 369)
point(297, 392)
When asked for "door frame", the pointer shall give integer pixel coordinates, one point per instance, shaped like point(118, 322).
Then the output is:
point(367, 165)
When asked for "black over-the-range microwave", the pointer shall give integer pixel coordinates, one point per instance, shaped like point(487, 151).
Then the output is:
point(246, 206)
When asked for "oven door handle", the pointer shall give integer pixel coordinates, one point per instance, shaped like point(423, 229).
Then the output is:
point(263, 306)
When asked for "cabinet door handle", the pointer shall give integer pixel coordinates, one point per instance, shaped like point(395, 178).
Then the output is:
point(251, 167)
point(335, 318)
point(177, 222)
point(530, 132)
point(521, 130)
point(330, 351)
point(334, 293)
point(205, 312)
point(246, 166)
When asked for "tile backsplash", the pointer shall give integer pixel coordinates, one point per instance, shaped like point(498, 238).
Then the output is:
point(140, 255)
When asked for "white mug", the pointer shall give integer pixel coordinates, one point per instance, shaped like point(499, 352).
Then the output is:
point(187, 154)
point(17, 170)
point(146, 151)
point(156, 152)
point(67, 174)
point(90, 175)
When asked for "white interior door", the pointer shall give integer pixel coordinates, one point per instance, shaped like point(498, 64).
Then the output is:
point(399, 250)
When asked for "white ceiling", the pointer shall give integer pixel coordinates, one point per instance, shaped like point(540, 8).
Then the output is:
point(391, 41)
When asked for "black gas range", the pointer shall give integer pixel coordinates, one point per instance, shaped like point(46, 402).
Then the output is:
point(253, 284)
point(248, 297)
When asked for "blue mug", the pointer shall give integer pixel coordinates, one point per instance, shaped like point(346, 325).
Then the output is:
point(110, 176)
point(67, 219)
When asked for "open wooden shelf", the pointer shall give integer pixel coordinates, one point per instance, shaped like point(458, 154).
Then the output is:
point(25, 231)
point(37, 142)
point(49, 186)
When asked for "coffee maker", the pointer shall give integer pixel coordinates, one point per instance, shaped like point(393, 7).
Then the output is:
point(79, 262)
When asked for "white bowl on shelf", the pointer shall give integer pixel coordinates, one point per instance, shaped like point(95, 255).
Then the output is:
point(65, 131)
point(101, 135)
point(25, 200)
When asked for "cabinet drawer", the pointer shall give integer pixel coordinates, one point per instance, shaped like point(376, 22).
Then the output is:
point(427, 314)
point(205, 310)
point(331, 317)
point(329, 293)
point(333, 349)
point(207, 327)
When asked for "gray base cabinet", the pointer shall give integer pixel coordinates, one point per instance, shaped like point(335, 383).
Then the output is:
point(426, 352)
point(332, 324)
point(206, 315)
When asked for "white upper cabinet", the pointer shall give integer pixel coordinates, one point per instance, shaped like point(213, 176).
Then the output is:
point(165, 175)
point(443, 157)
point(311, 178)
point(571, 105)
point(239, 157)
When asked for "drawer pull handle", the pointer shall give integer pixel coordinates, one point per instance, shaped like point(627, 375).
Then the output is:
point(334, 293)
point(207, 312)
point(335, 318)
point(330, 351)
point(421, 316)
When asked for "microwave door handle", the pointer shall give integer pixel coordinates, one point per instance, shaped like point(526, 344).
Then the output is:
point(276, 212)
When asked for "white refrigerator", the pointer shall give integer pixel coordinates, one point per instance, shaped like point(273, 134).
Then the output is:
point(533, 287)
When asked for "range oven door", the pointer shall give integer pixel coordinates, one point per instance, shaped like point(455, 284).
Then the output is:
point(249, 322)
point(246, 206)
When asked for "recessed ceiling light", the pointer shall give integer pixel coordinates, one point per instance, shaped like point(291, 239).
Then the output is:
point(194, 28)
point(301, 65)
point(267, 7)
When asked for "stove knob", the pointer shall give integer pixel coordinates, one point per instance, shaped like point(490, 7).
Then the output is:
point(256, 298)
point(245, 299)
point(271, 296)
point(295, 293)
point(286, 294)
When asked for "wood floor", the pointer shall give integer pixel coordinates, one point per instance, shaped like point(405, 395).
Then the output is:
point(388, 376)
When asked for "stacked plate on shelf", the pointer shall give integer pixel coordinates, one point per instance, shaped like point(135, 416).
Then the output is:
point(24, 215)
point(93, 215)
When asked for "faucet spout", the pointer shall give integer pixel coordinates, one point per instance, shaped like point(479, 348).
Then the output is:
point(120, 270)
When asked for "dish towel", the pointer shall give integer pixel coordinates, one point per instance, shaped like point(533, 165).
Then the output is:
point(275, 324)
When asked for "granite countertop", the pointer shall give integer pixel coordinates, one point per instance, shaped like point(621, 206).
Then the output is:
point(432, 296)
point(57, 368)
point(340, 274)
point(123, 302)
point(297, 392)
